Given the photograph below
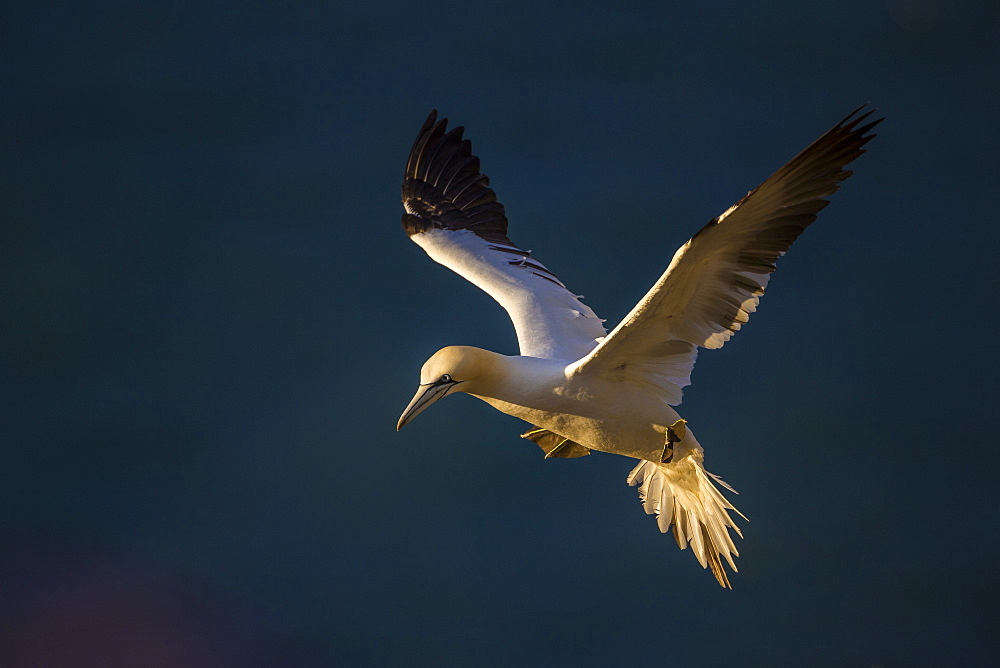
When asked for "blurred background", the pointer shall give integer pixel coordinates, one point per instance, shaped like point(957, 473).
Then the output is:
point(214, 320)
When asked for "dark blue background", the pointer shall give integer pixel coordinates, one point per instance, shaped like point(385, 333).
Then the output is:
point(213, 320)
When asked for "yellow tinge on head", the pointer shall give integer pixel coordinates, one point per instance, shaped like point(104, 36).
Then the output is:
point(455, 368)
point(463, 363)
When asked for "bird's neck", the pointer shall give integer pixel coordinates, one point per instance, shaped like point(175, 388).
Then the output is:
point(517, 379)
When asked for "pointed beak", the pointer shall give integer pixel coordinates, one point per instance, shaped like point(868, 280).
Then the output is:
point(425, 396)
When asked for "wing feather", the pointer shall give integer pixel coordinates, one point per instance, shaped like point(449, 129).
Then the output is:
point(453, 214)
point(716, 279)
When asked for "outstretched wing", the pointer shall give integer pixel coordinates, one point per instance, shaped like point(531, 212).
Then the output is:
point(453, 214)
point(716, 279)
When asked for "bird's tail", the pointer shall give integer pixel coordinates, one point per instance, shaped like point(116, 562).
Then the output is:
point(682, 494)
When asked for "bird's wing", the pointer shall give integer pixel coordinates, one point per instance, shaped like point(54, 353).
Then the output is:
point(453, 214)
point(715, 280)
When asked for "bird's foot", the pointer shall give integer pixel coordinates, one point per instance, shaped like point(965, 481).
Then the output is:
point(675, 434)
point(554, 445)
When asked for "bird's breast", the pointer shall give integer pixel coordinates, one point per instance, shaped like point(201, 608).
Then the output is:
point(609, 417)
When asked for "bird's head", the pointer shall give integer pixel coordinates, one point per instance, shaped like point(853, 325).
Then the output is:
point(451, 369)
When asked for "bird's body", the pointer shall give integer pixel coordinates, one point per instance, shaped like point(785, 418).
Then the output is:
point(607, 415)
point(582, 388)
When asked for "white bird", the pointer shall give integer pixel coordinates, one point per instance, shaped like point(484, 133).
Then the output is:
point(581, 389)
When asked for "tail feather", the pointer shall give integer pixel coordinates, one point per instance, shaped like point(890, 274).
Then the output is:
point(683, 496)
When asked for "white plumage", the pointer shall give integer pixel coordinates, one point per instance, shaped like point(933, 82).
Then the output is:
point(550, 321)
point(581, 388)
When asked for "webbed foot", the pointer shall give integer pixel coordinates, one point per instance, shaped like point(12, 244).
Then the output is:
point(675, 434)
point(554, 445)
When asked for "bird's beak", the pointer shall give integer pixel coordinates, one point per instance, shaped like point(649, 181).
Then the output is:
point(425, 396)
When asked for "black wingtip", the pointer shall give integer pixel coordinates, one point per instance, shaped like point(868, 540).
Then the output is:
point(852, 120)
point(429, 122)
point(443, 186)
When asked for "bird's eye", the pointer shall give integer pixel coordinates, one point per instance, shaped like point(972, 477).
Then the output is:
point(446, 378)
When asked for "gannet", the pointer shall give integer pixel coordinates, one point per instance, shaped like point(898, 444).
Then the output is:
point(580, 388)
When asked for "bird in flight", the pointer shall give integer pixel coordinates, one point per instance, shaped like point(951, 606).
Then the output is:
point(582, 389)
